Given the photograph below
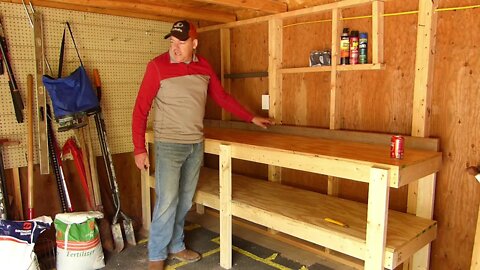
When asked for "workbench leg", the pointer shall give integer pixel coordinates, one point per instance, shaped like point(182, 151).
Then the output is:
point(225, 206)
point(377, 217)
point(146, 207)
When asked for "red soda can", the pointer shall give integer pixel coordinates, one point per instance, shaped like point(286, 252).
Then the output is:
point(396, 147)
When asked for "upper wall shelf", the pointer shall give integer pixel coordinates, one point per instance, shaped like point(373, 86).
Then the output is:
point(329, 68)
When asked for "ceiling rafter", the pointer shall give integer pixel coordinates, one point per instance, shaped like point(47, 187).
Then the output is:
point(268, 6)
point(50, 4)
point(138, 9)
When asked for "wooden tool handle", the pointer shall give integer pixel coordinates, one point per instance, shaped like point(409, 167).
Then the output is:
point(96, 78)
point(30, 98)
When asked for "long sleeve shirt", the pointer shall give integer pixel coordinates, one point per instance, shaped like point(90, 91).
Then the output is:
point(178, 92)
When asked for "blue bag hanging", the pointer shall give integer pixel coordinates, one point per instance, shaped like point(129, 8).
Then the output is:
point(72, 96)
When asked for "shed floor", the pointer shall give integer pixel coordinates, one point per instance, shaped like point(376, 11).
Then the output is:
point(252, 251)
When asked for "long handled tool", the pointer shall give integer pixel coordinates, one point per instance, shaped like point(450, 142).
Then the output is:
point(71, 147)
point(103, 223)
point(54, 150)
point(16, 97)
point(30, 163)
point(4, 202)
point(107, 158)
point(3, 186)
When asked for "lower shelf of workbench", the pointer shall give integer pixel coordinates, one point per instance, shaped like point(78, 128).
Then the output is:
point(302, 214)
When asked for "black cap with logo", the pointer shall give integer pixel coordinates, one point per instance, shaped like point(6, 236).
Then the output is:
point(183, 30)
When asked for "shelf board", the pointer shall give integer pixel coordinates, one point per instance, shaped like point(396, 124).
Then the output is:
point(301, 213)
point(329, 68)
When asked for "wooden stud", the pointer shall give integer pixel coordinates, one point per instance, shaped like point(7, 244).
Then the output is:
point(275, 59)
point(225, 63)
point(225, 206)
point(377, 217)
point(377, 32)
point(421, 194)
point(334, 99)
point(333, 183)
point(426, 31)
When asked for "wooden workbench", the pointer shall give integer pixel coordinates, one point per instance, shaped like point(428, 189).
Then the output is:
point(381, 237)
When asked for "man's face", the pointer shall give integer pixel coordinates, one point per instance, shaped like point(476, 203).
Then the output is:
point(182, 51)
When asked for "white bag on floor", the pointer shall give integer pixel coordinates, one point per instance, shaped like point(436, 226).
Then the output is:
point(78, 241)
point(17, 240)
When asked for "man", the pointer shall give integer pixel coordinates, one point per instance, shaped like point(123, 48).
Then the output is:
point(177, 83)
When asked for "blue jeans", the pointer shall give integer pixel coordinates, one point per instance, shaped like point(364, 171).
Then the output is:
point(177, 169)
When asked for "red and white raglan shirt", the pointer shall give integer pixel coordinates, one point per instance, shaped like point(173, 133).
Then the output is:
point(178, 92)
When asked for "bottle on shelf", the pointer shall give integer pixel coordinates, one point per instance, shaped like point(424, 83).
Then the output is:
point(354, 48)
point(363, 48)
point(344, 47)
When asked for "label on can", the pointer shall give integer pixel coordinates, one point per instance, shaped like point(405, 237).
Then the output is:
point(397, 147)
point(363, 48)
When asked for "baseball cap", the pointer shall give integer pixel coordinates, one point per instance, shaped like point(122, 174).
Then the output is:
point(183, 30)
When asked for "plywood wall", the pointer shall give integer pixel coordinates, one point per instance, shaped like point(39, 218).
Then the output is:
point(381, 101)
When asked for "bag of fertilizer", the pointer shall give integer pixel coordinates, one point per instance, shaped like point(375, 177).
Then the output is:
point(78, 241)
point(17, 240)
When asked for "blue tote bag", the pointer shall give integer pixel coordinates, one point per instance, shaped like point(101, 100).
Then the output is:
point(72, 96)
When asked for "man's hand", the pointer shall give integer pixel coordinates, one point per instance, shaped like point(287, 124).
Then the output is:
point(142, 161)
point(262, 122)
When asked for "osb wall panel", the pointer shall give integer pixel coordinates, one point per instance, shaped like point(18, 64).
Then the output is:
point(249, 53)
point(456, 120)
point(381, 101)
point(209, 47)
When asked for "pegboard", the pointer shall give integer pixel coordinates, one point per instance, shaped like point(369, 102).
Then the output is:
point(119, 47)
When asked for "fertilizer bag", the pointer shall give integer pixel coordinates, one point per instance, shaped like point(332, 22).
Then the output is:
point(78, 241)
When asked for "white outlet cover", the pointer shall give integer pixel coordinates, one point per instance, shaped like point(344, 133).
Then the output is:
point(265, 102)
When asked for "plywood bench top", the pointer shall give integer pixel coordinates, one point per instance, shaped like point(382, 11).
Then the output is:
point(345, 159)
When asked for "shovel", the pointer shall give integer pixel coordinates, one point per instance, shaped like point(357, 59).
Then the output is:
point(112, 179)
point(107, 158)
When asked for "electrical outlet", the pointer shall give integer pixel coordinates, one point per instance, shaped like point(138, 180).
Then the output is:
point(265, 102)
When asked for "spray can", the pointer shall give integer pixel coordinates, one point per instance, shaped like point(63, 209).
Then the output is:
point(344, 47)
point(354, 47)
point(363, 48)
